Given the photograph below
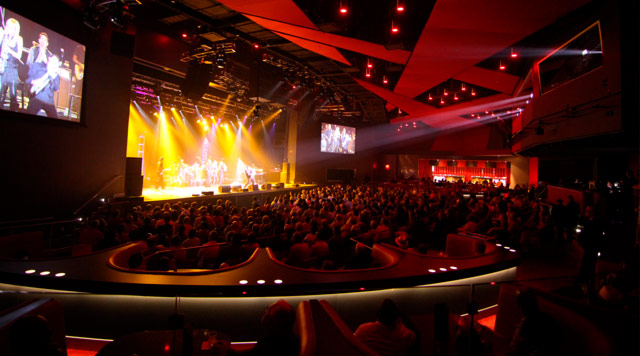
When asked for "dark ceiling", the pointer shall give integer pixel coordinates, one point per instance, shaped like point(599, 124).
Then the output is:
point(444, 60)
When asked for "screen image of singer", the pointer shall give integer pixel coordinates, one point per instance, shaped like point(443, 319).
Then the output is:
point(41, 71)
point(337, 139)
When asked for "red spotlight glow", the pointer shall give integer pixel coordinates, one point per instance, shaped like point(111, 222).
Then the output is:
point(446, 93)
point(430, 97)
point(167, 347)
point(385, 80)
point(400, 8)
point(394, 28)
point(367, 73)
point(343, 10)
point(387, 167)
point(502, 66)
point(514, 55)
point(256, 45)
point(455, 97)
point(473, 92)
point(441, 101)
point(184, 35)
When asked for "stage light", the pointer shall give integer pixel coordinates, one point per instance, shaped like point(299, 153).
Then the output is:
point(446, 93)
point(387, 167)
point(184, 35)
point(394, 28)
point(343, 8)
point(514, 54)
point(400, 5)
point(430, 97)
point(384, 79)
point(473, 92)
point(502, 66)
point(367, 73)
point(256, 45)
point(455, 96)
point(369, 64)
point(441, 101)
point(463, 87)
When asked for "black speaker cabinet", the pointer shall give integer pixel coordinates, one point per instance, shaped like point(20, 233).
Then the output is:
point(279, 185)
point(133, 185)
point(224, 189)
point(254, 188)
point(208, 192)
point(133, 167)
point(197, 80)
point(266, 186)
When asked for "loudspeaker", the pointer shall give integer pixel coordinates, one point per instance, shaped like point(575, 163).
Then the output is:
point(224, 189)
point(472, 164)
point(197, 80)
point(237, 189)
point(133, 167)
point(266, 186)
point(245, 189)
point(452, 163)
point(490, 165)
point(133, 178)
point(133, 185)
point(209, 192)
point(254, 188)
point(279, 186)
point(433, 162)
point(122, 44)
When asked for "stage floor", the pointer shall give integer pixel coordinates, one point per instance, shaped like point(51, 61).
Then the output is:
point(170, 193)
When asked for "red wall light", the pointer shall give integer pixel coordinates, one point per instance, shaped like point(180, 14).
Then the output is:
point(387, 167)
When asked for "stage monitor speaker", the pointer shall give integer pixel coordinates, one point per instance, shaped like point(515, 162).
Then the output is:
point(245, 189)
point(197, 80)
point(254, 188)
point(224, 189)
point(237, 189)
point(266, 186)
point(134, 166)
point(133, 185)
point(122, 44)
point(279, 185)
point(208, 192)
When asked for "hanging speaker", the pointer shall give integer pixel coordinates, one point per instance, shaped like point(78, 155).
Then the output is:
point(196, 82)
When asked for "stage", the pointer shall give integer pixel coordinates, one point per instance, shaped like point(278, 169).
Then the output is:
point(178, 193)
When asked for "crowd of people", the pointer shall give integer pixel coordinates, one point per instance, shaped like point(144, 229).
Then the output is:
point(333, 227)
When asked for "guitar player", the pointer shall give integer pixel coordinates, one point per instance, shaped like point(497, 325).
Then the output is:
point(43, 77)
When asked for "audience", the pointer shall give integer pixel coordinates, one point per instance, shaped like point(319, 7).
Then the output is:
point(388, 335)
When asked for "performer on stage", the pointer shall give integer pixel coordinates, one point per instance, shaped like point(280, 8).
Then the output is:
point(10, 57)
point(222, 168)
point(43, 77)
point(160, 173)
point(250, 171)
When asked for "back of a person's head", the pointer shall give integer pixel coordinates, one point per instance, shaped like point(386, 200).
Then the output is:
point(278, 318)
point(30, 335)
point(388, 312)
point(527, 301)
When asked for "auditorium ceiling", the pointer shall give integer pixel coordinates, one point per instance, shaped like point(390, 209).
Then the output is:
point(445, 63)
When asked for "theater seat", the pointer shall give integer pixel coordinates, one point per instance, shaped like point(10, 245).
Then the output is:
point(305, 329)
point(334, 337)
point(50, 309)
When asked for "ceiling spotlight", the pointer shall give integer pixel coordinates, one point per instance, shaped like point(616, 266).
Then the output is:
point(368, 73)
point(455, 97)
point(441, 101)
point(384, 79)
point(369, 64)
point(256, 45)
point(185, 35)
point(514, 54)
point(502, 66)
point(473, 92)
point(430, 97)
point(399, 5)
point(343, 8)
point(463, 87)
point(445, 92)
point(394, 28)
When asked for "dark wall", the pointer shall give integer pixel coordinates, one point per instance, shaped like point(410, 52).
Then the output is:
point(51, 168)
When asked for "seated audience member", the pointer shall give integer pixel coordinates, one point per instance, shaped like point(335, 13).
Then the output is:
point(388, 335)
point(31, 336)
point(234, 253)
point(277, 328)
point(536, 332)
point(91, 234)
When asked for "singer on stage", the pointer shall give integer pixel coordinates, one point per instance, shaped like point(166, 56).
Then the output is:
point(43, 77)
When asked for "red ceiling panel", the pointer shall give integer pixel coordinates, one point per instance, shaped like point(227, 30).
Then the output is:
point(327, 51)
point(460, 34)
point(280, 10)
point(490, 79)
point(351, 44)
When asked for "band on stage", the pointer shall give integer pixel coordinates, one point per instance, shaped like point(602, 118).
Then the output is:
point(211, 173)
